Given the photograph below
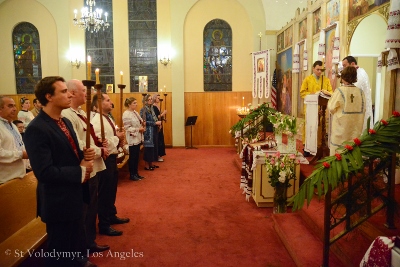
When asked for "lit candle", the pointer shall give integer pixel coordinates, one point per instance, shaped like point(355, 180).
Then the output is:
point(242, 101)
point(89, 67)
point(75, 12)
point(122, 77)
point(161, 90)
point(165, 89)
point(97, 71)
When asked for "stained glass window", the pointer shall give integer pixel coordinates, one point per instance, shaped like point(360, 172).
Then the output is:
point(142, 15)
point(217, 61)
point(100, 46)
point(28, 67)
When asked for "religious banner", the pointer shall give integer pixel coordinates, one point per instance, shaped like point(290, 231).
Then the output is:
point(261, 73)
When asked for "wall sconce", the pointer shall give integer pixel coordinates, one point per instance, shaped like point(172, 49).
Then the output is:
point(165, 61)
point(76, 63)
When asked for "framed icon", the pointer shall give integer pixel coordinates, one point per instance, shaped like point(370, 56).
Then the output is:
point(109, 88)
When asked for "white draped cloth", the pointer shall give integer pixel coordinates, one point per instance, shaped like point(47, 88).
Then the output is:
point(311, 144)
point(393, 30)
point(363, 83)
point(305, 56)
point(296, 59)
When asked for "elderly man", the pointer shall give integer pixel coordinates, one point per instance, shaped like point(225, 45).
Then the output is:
point(363, 83)
point(62, 171)
point(78, 119)
point(108, 179)
point(12, 149)
point(37, 107)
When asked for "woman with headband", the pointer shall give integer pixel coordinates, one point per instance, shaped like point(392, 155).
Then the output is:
point(150, 134)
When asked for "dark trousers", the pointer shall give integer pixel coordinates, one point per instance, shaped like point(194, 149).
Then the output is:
point(108, 181)
point(133, 161)
point(90, 212)
point(64, 238)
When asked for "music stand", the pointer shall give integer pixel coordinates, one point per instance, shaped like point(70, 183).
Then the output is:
point(190, 122)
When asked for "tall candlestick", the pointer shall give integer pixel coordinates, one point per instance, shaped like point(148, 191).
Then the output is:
point(97, 71)
point(89, 68)
point(122, 77)
point(242, 101)
point(323, 62)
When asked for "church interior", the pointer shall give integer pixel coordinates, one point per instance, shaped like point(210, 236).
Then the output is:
point(199, 56)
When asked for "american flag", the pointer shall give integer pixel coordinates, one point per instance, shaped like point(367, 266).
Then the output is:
point(273, 91)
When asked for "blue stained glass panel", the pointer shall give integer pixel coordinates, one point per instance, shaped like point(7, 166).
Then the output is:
point(27, 62)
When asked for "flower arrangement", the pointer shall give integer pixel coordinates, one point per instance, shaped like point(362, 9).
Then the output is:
point(281, 168)
point(283, 123)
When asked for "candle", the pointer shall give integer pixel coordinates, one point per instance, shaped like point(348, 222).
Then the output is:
point(97, 71)
point(165, 89)
point(242, 101)
point(89, 68)
point(122, 77)
point(161, 90)
point(323, 61)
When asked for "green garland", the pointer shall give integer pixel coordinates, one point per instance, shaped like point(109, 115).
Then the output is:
point(379, 142)
point(253, 115)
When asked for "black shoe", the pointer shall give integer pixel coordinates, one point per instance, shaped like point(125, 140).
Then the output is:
point(154, 166)
point(140, 177)
point(117, 220)
point(134, 178)
point(149, 169)
point(88, 264)
point(98, 248)
point(110, 232)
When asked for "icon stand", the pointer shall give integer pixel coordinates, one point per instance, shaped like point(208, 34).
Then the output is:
point(190, 122)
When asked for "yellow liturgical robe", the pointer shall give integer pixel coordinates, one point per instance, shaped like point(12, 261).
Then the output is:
point(311, 85)
point(347, 106)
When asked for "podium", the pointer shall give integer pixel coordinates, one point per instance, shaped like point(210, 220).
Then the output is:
point(322, 102)
point(190, 122)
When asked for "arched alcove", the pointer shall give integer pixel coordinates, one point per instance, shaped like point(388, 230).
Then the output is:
point(366, 44)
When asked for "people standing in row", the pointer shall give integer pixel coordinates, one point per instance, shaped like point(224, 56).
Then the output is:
point(62, 171)
point(134, 127)
point(108, 178)
point(36, 107)
point(12, 149)
point(363, 83)
point(25, 115)
point(151, 134)
point(347, 106)
point(78, 119)
point(161, 117)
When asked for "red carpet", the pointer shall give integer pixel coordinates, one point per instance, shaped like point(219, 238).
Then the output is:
point(190, 212)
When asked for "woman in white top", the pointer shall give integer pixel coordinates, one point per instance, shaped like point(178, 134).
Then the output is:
point(25, 115)
point(134, 128)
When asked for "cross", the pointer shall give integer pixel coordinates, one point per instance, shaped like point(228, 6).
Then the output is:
point(352, 97)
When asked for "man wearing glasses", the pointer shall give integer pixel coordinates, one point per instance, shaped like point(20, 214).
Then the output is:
point(311, 85)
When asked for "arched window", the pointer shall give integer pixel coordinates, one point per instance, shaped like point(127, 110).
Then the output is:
point(28, 67)
point(217, 61)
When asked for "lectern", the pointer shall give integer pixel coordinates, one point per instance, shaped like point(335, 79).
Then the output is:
point(322, 102)
point(190, 122)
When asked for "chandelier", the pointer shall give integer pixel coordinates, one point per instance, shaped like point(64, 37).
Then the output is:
point(91, 19)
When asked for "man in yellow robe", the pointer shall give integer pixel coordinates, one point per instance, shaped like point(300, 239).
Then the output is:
point(311, 85)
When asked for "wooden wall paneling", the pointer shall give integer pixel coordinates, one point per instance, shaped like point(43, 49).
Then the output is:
point(216, 113)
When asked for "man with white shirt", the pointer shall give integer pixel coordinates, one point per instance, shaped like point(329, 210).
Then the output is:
point(12, 149)
point(363, 83)
point(78, 119)
point(108, 179)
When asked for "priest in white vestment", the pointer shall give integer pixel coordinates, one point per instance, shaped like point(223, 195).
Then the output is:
point(347, 106)
point(363, 83)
